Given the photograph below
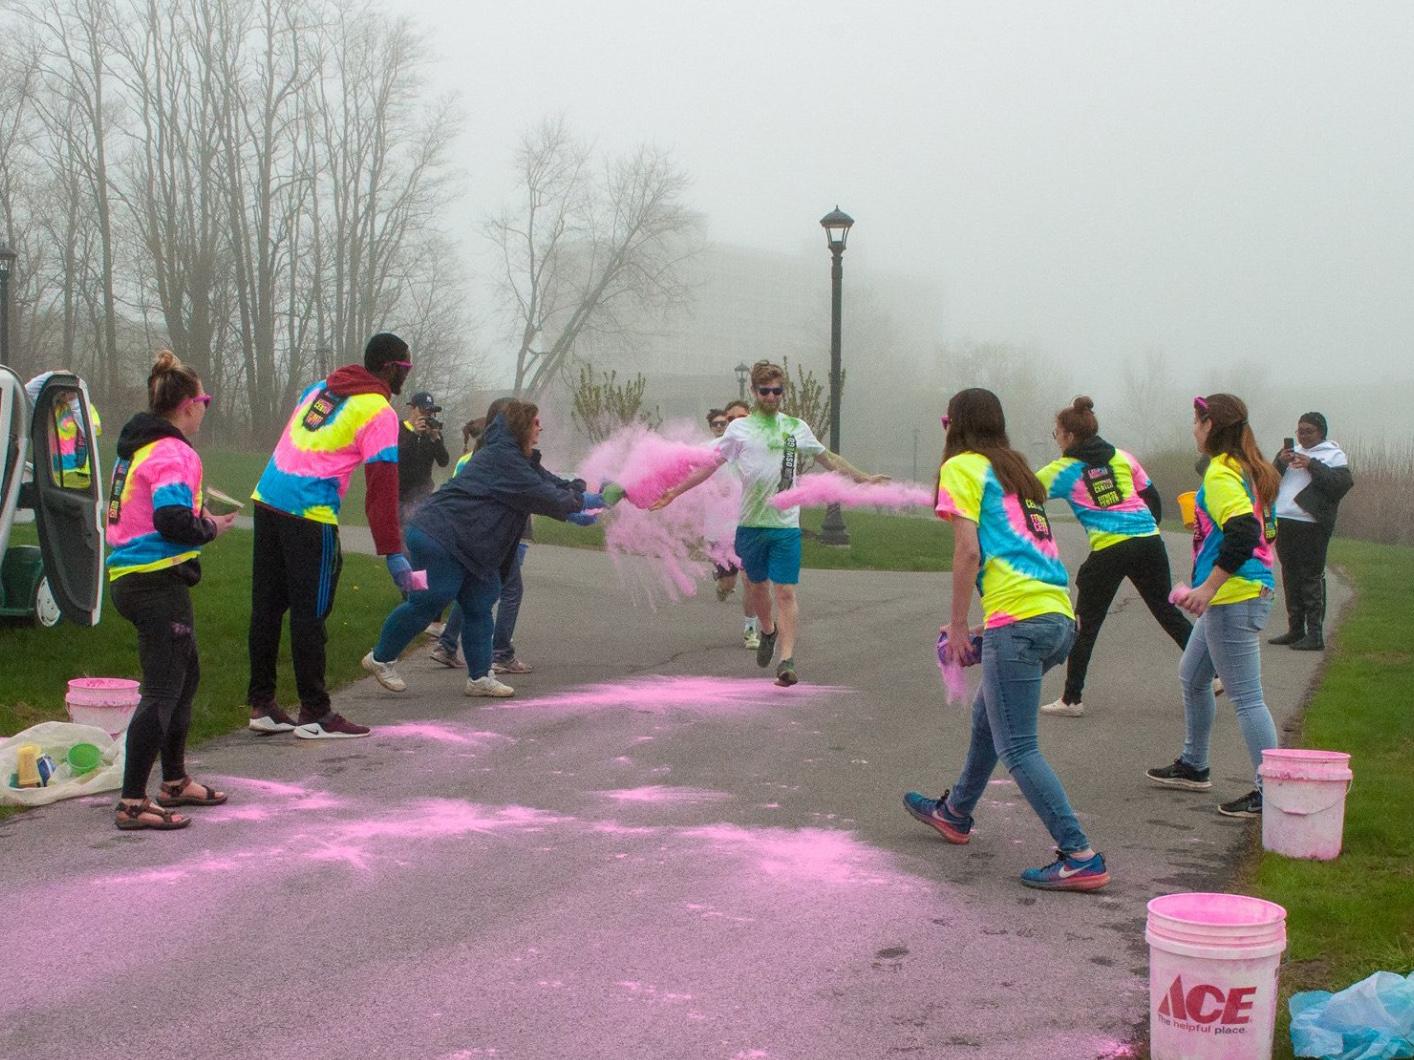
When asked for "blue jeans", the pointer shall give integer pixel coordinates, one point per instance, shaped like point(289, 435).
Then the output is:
point(502, 650)
point(1226, 641)
point(447, 580)
point(1004, 723)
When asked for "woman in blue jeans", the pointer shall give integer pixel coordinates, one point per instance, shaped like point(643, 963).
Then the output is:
point(1231, 595)
point(1002, 541)
point(465, 537)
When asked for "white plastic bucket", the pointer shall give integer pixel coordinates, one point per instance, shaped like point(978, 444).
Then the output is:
point(106, 703)
point(1303, 801)
point(1213, 976)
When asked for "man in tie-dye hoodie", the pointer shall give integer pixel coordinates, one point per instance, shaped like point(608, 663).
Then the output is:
point(338, 424)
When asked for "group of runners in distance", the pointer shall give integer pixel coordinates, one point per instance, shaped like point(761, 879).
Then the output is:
point(464, 540)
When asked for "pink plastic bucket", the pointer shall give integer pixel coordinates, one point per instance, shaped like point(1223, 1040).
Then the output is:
point(1213, 976)
point(104, 702)
point(1303, 801)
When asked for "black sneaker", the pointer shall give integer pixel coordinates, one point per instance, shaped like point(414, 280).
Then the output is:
point(1250, 805)
point(1180, 775)
point(766, 648)
point(785, 673)
point(1291, 636)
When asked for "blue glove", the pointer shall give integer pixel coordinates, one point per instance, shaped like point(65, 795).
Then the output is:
point(582, 518)
point(400, 569)
point(593, 500)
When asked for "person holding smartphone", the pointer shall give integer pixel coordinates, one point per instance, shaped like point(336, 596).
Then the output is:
point(1315, 475)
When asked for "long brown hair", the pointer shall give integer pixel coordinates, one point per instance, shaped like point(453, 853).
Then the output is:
point(976, 424)
point(1078, 418)
point(1231, 435)
point(170, 383)
point(520, 419)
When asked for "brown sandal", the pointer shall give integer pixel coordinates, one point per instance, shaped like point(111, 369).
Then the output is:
point(130, 817)
point(171, 794)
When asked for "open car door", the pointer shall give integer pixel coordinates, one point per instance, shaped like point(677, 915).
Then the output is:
point(14, 443)
point(68, 497)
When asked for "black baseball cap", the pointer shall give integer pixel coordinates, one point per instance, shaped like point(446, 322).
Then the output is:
point(424, 401)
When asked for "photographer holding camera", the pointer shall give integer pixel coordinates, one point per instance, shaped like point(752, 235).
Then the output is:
point(419, 446)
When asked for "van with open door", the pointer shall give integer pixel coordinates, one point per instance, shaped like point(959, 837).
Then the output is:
point(50, 465)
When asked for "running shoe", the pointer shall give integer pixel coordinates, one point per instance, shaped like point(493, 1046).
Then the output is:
point(935, 813)
point(1060, 708)
point(766, 648)
point(385, 674)
point(435, 629)
point(333, 727)
point(1250, 805)
point(750, 639)
point(1180, 775)
point(1069, 874)
point(270, 721)
point(511, 666)
point(785, 673)
point(722, 594)
point(488, 686)
point(449, 659)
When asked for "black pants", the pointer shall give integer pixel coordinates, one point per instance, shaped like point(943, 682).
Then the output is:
point(296, 569)
point(1301, 547)
point(159, 605)
point(1145, 562)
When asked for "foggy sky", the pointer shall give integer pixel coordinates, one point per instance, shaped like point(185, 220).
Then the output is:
point(1226, 182)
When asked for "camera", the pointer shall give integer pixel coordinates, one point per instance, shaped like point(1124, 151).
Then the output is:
point(433, 423)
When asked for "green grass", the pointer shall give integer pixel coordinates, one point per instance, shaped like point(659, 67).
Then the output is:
point(877, 542)
point(34, 690)
point(1353, 916)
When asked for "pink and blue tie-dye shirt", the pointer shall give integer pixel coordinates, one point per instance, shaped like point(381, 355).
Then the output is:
point(327, 438)
point(1021, 575)
point(1105, 497)
point(1224, 495)
point(163, 473)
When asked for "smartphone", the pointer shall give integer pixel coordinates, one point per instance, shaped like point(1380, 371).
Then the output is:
point(1288, 443)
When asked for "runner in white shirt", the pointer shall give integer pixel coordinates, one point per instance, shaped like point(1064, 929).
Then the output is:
point(768, 450)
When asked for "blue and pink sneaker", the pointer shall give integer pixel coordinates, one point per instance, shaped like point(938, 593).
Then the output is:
point(1069, 874)
point(936, 814)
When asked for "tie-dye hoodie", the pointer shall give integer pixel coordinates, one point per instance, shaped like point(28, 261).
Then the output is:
point(1107, 488)
point(1021, 575)
point(338, 424)
point(1232, 530)
point(155, 518)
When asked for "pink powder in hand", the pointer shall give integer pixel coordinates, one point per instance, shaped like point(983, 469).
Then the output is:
point(816, 491)
point(417, 580)
point(1180, 593)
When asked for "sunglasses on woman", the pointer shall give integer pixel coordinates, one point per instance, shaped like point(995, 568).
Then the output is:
point(947, 422)
point(717, 423)
point(1201, 404)
point(205, 399)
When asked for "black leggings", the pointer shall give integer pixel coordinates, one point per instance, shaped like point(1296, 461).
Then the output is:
point(159, 605)
point(1145, 562)
point(1301, 547)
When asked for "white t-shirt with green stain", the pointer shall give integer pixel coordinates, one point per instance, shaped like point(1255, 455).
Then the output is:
point(769, 452)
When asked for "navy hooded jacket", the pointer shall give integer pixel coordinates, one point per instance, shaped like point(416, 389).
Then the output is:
point(479, 514)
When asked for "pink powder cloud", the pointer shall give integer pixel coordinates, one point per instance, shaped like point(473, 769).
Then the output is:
point(817, 491)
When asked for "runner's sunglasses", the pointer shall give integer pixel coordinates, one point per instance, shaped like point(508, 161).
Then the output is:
point(773, 390)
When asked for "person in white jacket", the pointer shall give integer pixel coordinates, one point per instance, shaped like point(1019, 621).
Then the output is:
point(1315, 475)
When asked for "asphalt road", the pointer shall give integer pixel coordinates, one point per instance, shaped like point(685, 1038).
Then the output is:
point(650, 852)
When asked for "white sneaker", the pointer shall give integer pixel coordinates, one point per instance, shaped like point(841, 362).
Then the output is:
point(384, 673)
point(434, 629)
point(1063, 709)
point(488, 686)
point(751, 639)
point(449, 659)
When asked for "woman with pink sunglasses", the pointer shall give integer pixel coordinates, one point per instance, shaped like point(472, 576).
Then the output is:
point(157, 525)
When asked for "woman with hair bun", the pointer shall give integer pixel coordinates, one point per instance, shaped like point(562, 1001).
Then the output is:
point(157, 525)
point(1231, 595)
point(1117, 504)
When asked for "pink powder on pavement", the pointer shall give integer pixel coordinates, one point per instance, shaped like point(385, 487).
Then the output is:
point(439, 733)
point(658, 694)
point(805, 856)
point(816, 491)
point(663, 793)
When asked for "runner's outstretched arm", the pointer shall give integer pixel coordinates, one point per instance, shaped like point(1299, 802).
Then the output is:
point(701, 475)
point(834, 462)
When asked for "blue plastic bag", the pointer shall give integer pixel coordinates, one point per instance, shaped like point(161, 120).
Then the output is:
point(1372, 1020)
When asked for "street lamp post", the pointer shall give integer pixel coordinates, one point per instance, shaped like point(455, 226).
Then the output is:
point(742, 371)
point(7, 261)
point(836, 224)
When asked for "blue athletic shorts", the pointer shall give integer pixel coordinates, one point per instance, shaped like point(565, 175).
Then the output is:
point(769, 554)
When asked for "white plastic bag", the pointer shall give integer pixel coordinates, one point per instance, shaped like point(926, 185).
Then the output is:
point(55, 738)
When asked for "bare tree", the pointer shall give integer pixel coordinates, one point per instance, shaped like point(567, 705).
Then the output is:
point(588, 248)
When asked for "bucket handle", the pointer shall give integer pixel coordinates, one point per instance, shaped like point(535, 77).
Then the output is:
point(1266, 796)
